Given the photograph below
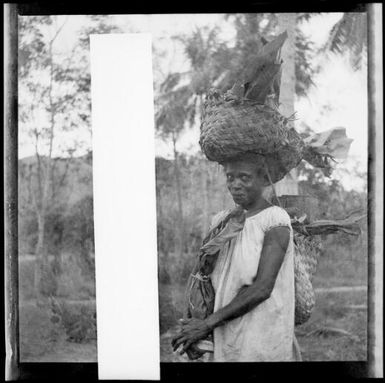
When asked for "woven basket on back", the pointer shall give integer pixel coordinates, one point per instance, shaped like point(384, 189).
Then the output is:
point(306, 252)
point(306, 255)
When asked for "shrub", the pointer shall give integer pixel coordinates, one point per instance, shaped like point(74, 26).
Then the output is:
point(77, 320)
point(171, 302)
point(26, 278)
point(71, 281)
point(37, 333)
point(27, 238)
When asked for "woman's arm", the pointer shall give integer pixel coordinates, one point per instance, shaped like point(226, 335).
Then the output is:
point(274, 248)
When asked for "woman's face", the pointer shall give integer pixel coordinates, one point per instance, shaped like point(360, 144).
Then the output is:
point(243, 182)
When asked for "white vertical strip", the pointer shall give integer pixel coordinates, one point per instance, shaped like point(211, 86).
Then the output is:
point(124, 206)
point(378, 368)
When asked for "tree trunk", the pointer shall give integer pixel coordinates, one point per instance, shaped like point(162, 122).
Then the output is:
point(179, 231)
point(287, 22)
point(205, 179)
point(206, 183)
point(40, 253)
point(159, 217)
point(44, 281)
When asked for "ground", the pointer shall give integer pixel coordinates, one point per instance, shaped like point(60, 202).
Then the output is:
point(336, 330)
point(318, 339)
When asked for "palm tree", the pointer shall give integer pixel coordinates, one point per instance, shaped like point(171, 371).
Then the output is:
point(349, 36)
point(287, 22)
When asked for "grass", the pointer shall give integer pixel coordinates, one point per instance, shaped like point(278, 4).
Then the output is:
point(71, 283)
point(340, 265)
point(319, 341)
point(37, 334)
point(69, 338)
point(43, 341)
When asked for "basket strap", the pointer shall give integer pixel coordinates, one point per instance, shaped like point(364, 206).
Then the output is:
point(201, 277)
point(271, 183)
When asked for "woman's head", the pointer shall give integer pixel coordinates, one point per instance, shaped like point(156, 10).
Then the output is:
point(245, 177)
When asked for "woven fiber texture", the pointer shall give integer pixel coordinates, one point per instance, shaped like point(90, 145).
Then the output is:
point(307, 252)
point(232, 127)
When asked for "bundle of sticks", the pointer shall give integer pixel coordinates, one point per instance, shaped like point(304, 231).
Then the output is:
point(349, 225)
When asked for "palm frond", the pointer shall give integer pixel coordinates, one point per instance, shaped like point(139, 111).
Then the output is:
point(348, 35)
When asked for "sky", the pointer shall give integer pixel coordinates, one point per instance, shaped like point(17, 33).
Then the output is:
point(339, 91)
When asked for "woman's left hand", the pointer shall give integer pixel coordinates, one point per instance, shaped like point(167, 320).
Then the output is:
point(192, 330)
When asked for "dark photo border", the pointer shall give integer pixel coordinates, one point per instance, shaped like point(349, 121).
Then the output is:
point(15, 370)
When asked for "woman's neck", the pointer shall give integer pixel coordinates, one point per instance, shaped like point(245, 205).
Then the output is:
point(258, 205)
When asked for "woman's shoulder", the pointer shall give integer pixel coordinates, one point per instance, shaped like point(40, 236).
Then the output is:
point(273, 216)
point(218, 217)
point(272, 210)
point(277, 210)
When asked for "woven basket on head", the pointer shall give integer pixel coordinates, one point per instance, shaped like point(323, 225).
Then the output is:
point(231, 129)
point(246, 119)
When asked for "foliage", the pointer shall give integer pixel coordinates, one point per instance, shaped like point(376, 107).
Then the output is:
point(38, 334)
point(349, 35)
point(54, 89)
point(78, 321)
point(252, 29)
point(74, 280)
point(179, 93)
point(70, 280)
point(192, 169)
point(70, 219)
point(70, 269)
point(304, 70)
point(78, 232)
point(334, 201)
point(252, 32)
point(26, 279)
point(47, 79)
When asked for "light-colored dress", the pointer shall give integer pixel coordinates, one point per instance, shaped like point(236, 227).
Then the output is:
point(266, 333)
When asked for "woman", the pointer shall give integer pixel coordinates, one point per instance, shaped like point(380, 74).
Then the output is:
point(253, 279)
